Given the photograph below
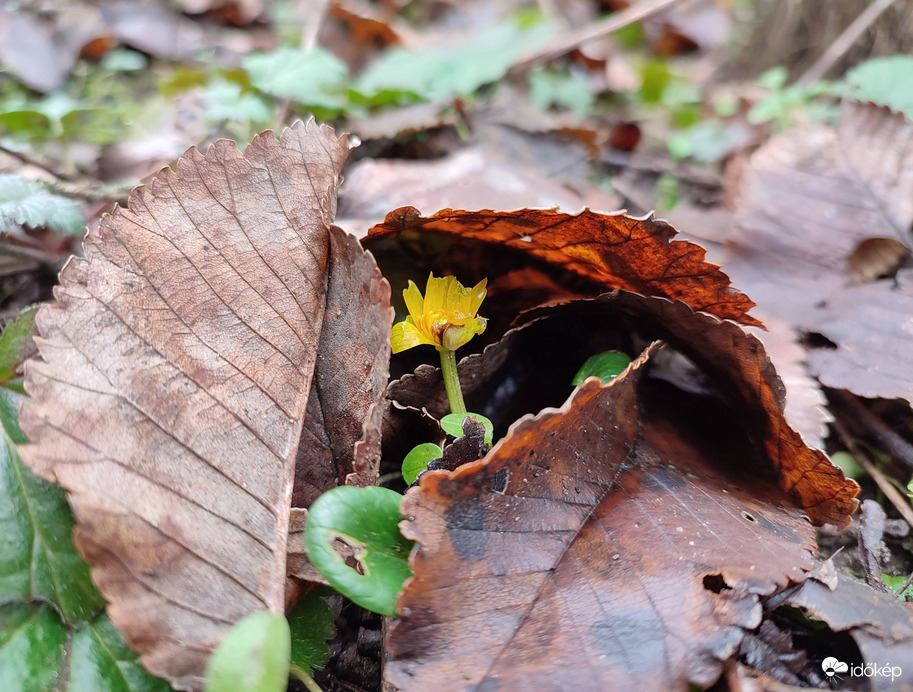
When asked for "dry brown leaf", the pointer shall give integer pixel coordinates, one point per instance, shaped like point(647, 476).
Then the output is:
point(175, 381)
point(603, 541)
point(520, 374)
point(587, 254)
point(881, 626)
point(809, 200)
point(872, 325)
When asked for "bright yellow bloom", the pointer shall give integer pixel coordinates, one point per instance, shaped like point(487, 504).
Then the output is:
point(445, 317)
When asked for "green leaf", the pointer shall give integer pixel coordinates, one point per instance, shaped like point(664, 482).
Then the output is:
point(774, 78)
point(896, 583)
point(452, 424)
point(226, 101)
point(549, 87)
point(311, 624)
point(606, 366)
point(100, 660)
point(364, 524)
point(254, 656)
point(30, 204)
point(456, 69)
point(32, 644)
point(32, 122)
point(37, 557)
point(14, 343)
point(417, 460)
point(885, 82)
point(848, 464)
point(311, 78)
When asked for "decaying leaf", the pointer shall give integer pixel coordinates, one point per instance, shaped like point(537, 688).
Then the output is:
point(176, 373)
point(871, 325)
point(810, 199)
point(594, 543)
point(881, 627)
point(592, 252)
point(734, 362)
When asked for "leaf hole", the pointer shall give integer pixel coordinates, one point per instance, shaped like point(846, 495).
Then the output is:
point(500, 480)
point(351, 554)
point(748, 517)
point(716, 583)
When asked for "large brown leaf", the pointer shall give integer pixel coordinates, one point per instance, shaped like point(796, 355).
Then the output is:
point(528, 250)
point(597, 544)
point(810, 201)
point(177, 372)
point(523, 363)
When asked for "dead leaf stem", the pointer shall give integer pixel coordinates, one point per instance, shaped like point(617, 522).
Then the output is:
point(890, 492)
point(845, 41)
point(620, 20)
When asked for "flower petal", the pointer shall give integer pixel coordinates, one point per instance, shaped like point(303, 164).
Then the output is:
point(436, 294)
point(414, 301)
point(477, 295)
point(455, 336)
point(406, 335)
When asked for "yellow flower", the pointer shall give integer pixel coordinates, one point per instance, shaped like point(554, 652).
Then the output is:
point(444, 318)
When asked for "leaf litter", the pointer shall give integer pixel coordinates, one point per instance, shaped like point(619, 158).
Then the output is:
point(344, 446)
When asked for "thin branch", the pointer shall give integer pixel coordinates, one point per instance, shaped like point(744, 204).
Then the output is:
point(862, 416)
point(844, 41)
point(893, 494)
point(620, 20)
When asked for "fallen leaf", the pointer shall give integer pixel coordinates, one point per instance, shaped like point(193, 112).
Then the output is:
point(809, 200)
point(175, 381)
point(583, 254)
point(881, 626)
point(805, 404)
point(469, 179)
point(595, 542)
point(351, 377)
point(871, 325)
point(521, 374)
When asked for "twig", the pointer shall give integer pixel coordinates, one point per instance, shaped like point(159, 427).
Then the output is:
point(906, 585)
point(893, 494)
point(894, 444)
point(620, 20)
point(843, 42)
point(31, 161)
point(314, 13)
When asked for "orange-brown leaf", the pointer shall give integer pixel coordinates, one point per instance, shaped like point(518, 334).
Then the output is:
point(594, 543)
point(594, 252)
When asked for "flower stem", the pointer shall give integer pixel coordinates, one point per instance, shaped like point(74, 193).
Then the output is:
point(452, 381)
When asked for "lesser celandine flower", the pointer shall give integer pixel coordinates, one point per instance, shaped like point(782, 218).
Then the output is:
point(446, 318)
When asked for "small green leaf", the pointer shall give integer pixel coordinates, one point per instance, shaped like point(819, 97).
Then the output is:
point(15, 341)
point(885, 82)
point(311, 624)
point(32, 643)
point(452, 424)
point(446, 71)
point(30, 204)
point(774, 78)
point(100, 660)
point(417, 460)
point(606, 366)
point(37, 557)
point(311, 78)
point(254, 656)
point(896, 583)
point(848, 464)
point(362, 523)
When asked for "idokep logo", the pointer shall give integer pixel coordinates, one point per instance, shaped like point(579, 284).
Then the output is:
point(831, 667)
